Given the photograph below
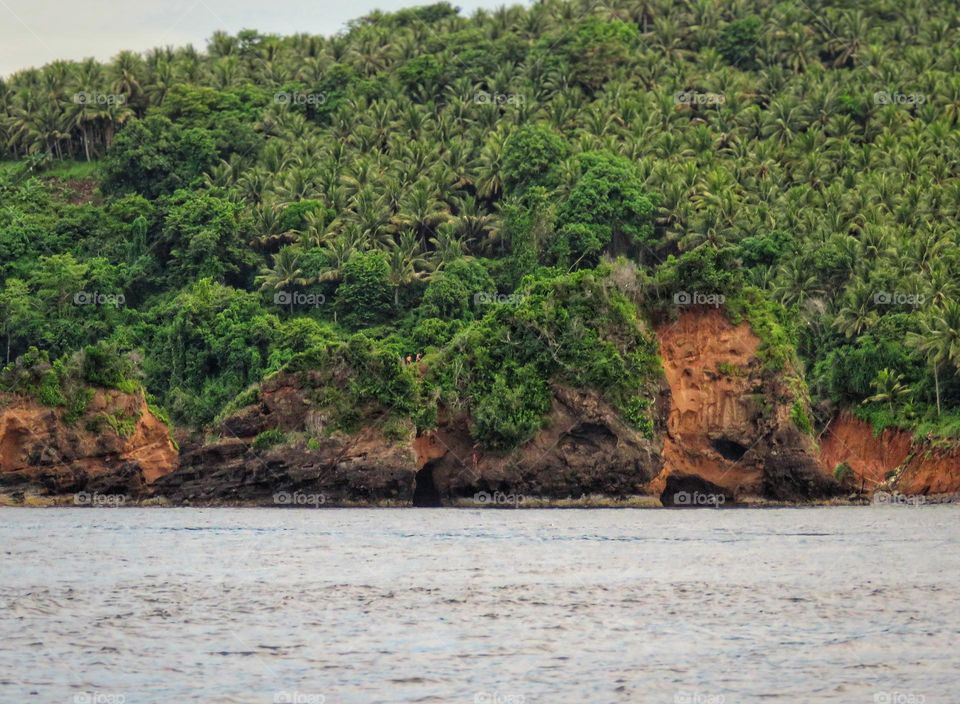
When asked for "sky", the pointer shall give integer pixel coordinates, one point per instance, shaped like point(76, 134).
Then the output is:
point(35, 32)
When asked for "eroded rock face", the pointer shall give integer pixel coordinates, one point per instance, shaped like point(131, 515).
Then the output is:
point(41, 453)
point(850, 440)
point(584, 449)
point(364, 467)
point(893, 460)
point(722, 421)
point(729, 420)
point(929, 471)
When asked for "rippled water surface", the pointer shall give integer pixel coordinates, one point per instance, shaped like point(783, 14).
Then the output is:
point(493, 607)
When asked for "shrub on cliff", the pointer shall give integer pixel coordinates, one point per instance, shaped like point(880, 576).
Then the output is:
point(455, 292)
point(71, 382)
point(575, 329)
point(357, 378)
point(104, 365)
point(530, 157)
point(608, 210)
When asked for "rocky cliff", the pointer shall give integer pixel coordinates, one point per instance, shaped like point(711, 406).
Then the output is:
point(115, 447)
point(891, 461)
point(721, 420)
point(730, 422)
point(585, 449)
point(303, 464)
point(724, 428)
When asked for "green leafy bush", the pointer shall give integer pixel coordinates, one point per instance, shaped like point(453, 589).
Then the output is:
point(842, 471)
point(365, 296)
point(268, 439)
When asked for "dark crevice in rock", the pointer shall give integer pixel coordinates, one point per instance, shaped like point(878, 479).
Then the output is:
point(729, 449)
point(425, 492)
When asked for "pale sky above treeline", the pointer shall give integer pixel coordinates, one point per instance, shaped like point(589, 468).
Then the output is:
point(36, 32)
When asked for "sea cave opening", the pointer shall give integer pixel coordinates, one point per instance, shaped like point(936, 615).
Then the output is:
point(425, 492)
point(729, 449)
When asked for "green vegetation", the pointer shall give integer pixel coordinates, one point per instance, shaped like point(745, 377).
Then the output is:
point(70, 380)
point(512, 196)
point(268, 438)
point(842, 471)
point(123, 425)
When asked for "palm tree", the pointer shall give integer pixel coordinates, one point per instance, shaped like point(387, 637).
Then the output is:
point(938, 339)
point(286, 273)
point(857, 310)
point(422, 210)
point(407, 264)
point(847, 37)
point(447, 246)
point(126, 72)
point(337, 251)
point(888, 387)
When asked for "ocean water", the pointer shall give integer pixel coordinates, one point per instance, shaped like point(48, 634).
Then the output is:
point(320, 606)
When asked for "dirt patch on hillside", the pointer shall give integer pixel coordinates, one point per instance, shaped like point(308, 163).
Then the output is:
point(892, 460)
point(931, 471)
point(849, 439)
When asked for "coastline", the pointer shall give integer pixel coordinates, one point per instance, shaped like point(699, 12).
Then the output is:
point(587, 502)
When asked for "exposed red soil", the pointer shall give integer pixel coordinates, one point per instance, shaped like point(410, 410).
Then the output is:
point(37, 446)
point(849, 439)
point(931, 471)
point(920, 468)
point(707, 361)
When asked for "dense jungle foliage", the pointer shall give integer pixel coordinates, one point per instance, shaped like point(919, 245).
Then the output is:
point(513, 195)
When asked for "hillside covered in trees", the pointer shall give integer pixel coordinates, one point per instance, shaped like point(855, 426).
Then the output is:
point(463, 190)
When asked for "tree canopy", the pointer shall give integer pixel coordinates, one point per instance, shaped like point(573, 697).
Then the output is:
point(428, 183)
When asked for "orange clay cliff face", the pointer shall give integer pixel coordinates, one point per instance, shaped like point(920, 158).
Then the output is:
point(729, 426)
point(117, 446)
point(891, 461)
